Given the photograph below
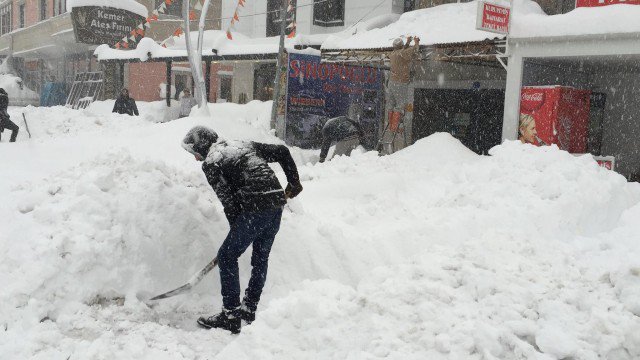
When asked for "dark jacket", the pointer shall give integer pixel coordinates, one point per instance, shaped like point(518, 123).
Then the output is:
point(125, 105)
point(240, 175)
point(338, 129)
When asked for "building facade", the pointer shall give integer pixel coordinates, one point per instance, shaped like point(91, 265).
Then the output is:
point(312, 17)
point(38, 38)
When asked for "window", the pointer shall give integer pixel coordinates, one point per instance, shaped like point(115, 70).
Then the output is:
point(273, 17)
point(328, 13)
point(43, 9)
point(6, 19)
point(175, 9)
point(59, 7)
point(409, 5)
point(21, 15)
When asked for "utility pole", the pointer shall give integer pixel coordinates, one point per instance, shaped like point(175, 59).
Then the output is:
point(280, 63)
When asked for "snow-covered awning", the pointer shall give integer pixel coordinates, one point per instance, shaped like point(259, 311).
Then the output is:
point(216, 45)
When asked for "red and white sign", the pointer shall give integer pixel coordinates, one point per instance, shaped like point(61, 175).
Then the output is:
point(607, 162)
point(596, 3)
point(555, 115)
point(493, 18)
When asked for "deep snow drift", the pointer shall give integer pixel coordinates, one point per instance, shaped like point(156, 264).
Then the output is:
point(431, 253)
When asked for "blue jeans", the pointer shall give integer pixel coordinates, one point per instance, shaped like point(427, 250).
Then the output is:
point(259, 229)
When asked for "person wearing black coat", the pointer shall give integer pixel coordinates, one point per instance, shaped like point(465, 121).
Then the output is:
point(5, 119)
point(125, 104)
point(345, 132)
point(253, 200)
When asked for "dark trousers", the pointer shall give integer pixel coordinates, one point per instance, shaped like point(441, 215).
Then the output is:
point(8, 124)
point(259, 229)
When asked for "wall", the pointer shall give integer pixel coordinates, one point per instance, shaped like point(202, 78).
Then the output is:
point(256, 26)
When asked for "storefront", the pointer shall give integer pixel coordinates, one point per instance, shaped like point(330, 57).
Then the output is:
point(604, 70)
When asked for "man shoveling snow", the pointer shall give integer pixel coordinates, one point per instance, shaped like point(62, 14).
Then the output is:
point(253, 199)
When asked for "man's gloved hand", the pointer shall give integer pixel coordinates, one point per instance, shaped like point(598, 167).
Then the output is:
point(321, 160)
point(293, 190)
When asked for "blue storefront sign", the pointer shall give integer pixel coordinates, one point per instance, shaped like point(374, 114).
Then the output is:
point(319, 91)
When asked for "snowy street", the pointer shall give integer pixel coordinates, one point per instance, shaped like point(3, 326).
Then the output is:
point(433, 252)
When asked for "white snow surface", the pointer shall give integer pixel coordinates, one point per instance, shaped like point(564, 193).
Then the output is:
point(128, 5)
point(431, 253)
point(605, 20)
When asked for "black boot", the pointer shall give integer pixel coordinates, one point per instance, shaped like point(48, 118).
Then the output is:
point(247, 314)
point(227, 320)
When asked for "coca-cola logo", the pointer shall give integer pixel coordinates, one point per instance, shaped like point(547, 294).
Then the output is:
point(532, 101)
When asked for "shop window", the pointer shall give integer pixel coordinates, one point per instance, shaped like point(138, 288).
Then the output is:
point(328, 13)
point(273, 16)
point(21, 15)
point(59, 7)
point(43, 9)
point(226, 88)
point(6, 19)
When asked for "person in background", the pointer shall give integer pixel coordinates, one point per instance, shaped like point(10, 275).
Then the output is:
point(187, 102)
point(253, 200)
point(5, 119)
point(345, 132)
point(125, 104)
point(402, 56)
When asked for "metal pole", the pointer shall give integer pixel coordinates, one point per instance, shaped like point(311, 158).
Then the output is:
point(207, 78)
point(168, 89)
point(279, 64)
point(196, 66)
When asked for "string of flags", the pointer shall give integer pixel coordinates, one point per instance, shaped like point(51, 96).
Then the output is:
point(291, 19)
point(235, 19)
point(139, 32)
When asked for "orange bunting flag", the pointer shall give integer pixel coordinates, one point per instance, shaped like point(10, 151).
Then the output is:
point(241, 2)
point(164, 46)
point(192, 15)
point(140, 32)
point(229, 35)
point(125, 45)
point(178, 32)
point(168, 2)
point(235, 16)
point(118, 46)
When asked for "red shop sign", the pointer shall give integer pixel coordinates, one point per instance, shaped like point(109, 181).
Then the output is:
point(493, 18)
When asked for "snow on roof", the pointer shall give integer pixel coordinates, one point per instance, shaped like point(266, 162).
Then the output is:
point(612, 19)
point(449, 23)
point(213, 39)
point(129, 5)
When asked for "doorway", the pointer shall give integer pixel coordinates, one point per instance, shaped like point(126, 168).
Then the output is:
point(472, 116)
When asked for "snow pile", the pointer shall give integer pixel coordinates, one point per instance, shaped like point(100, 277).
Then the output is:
point(433, 252)
point(128, 5)
point(96, 236)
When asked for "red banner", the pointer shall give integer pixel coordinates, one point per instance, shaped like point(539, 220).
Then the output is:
point(596, 3)
point(493, 18)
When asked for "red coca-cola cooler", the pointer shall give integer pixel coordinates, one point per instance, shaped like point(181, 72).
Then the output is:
point(555, 115)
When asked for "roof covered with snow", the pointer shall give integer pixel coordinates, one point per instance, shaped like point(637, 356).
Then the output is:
point(444, 24)
point(613, 19)
point(213, 40)
point(128, 5)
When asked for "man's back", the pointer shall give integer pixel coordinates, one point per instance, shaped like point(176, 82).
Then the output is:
point(401, 64)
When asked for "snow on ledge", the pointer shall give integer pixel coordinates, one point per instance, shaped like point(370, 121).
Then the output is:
point(128, 5)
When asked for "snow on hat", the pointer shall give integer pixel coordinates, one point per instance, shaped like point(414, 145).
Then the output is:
point(398, 43)
point(199, 140)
